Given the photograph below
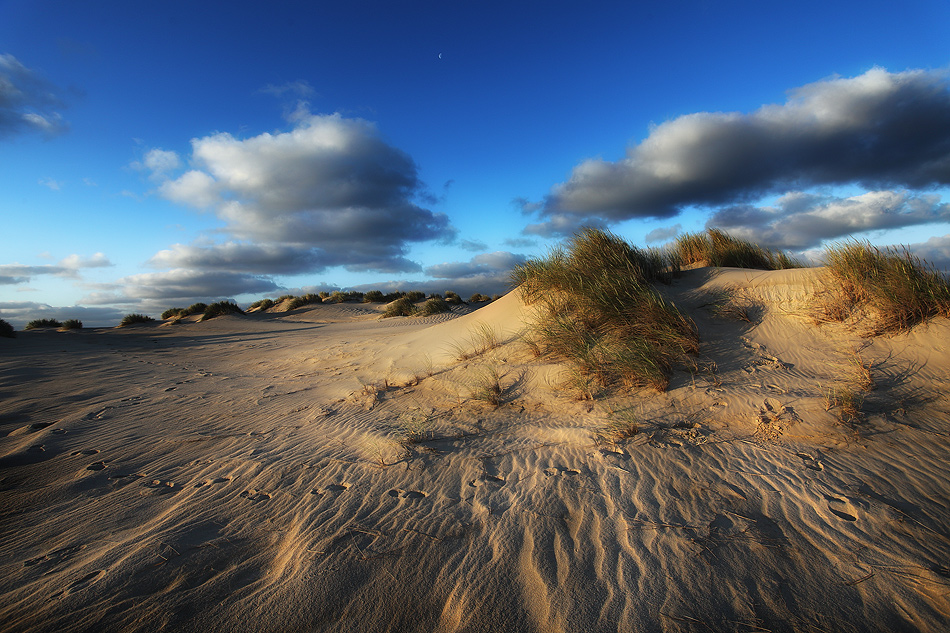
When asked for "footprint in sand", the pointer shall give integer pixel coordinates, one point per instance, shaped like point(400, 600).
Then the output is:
point(36, 448)
point(332, 488)
point(59, 431)
point(87, 451)
point(554, 471)
point(161, 487)
point(217, 480)
point(810, 462)
point(255, 495)
point(491, 480)
point(404, 494)
point(96, 466)
point(85, 581)
point(122, 479)
point(838, 508)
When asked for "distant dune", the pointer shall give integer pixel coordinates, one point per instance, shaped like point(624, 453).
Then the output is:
point(327, 470)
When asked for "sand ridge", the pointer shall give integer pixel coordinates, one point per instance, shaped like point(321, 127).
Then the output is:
point(327, 470)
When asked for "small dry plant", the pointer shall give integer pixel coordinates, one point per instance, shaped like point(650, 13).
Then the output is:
point(736, 305)
point(846, 400)
point(482, 338)
point(620, 425)
point(415, 426)
point(487, 386)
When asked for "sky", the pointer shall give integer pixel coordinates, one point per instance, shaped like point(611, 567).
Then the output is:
point(157, 154)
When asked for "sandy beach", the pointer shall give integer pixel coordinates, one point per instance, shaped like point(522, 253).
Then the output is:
point(324, 469)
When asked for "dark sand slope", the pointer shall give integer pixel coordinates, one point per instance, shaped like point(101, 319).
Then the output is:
point(256, 474)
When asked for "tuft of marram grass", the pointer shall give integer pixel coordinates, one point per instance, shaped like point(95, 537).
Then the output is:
point(434, 305)
point(71, 324)
point(135, 319)
point(307, 299)
point(718, 248)
point(261, 305)
point(600, 311)
point(220, 308)
point(897, 289)
point(6, 330)
point(42, 323)
point(400, 307)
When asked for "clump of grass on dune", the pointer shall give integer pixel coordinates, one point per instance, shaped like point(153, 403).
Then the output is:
point(718, 248)
point(896, 289)
point(434, 305)
point(6, 330)
point(220, 308)
point(261, 305)
point(71, 324)
point(42, 323)
point(400, 307)
point(600, 311)
point(304, 300)
point(135, 319)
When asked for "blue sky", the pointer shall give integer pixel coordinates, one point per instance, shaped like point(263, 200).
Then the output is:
point(156, 154)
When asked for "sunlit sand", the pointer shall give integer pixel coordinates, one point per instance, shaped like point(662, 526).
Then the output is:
point(327, 470)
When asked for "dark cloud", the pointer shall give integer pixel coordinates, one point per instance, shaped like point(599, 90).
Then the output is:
point(472, 245)
point(936, 251)
point(527, 207)
point(663, 234)
point(486, 274)
point(519, 242)
point(800, 221)
point(880, 129)
point(331, 187)
point(27, 101)
point(183, 286)
point(487, 265)
point(263, 259)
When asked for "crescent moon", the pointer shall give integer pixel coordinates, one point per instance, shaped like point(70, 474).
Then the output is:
point(440, 55)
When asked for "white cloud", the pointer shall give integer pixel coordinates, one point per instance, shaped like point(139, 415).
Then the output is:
point(159, 162)
point(879, 130)
point(52, 185)
point(330, 185)
point(800, 220)
point(12, 274)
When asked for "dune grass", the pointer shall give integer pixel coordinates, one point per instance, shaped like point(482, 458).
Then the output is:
point(600, 311)
point(220, 308)
point(71, 324)
point(304, 300)
point(6, 330)
point(402, 306)
point(434, 305)
point(42, 323)
point(718, 248)
point(893, 288)
point(135, 319)
point(262, 305)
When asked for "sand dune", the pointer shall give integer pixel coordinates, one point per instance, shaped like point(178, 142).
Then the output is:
point(325, 470)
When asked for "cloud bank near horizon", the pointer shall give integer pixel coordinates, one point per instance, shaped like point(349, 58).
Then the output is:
point(880, 130)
